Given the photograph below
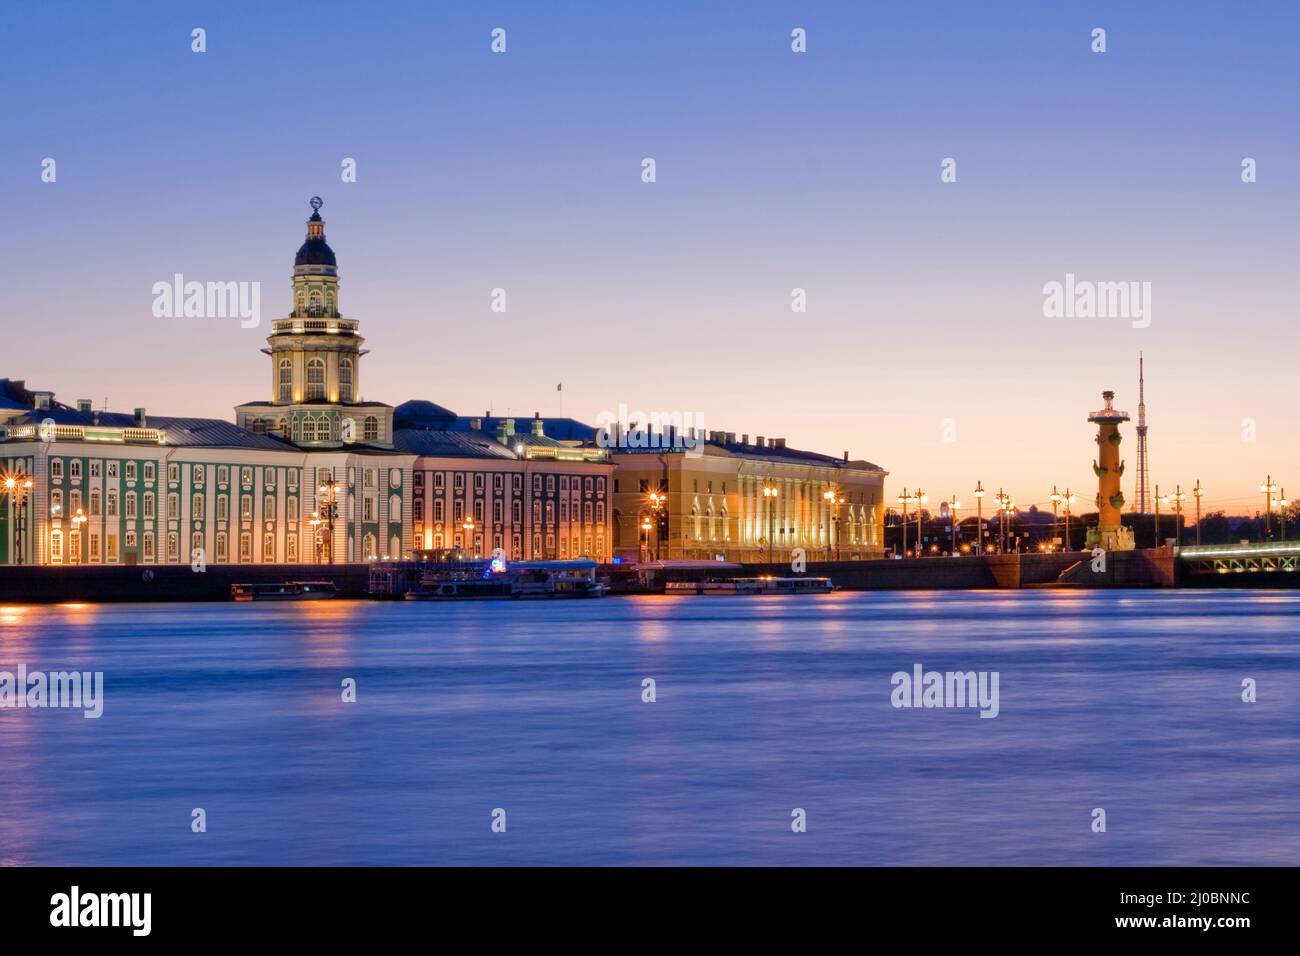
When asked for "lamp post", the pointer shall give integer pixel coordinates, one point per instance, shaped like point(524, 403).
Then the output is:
point(329, 511)
point(979, 517)
point(1268, 488)
point(770, 493)
point(1156, 500)
point(1178, 497)
point(920, 500)
point(1282, 504)
point(468, 525)
point(1003, 501)
point(903, 499)
point(1067, 499)
point(1056, 501)
point(314, 521)
point(953, 505)
point(834, 499)
point(78, 519)
point(1198, 491)
point(645, 528)
point(18, 487)
point(656, 500)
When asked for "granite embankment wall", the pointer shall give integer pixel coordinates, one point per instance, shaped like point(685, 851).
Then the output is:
point(1151, 568)
point(46, 585)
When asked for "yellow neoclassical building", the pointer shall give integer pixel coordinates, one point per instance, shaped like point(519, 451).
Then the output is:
point(745, 501)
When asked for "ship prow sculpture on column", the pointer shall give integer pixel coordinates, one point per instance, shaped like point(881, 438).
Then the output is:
point(1109, 533)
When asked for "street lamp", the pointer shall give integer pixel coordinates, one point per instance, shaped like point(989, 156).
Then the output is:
point(329, 511)
point(78, 519)
point(1067, 499)
point(1267, 488)
point(920, 500)
point(468, 525)
point(645, 527)
point(1056, 501)
point(834, 499)
point(1178, 497)
point(314, 521)
point(953, 505)
point(770, 493)
point(1004, 501)
point(656, 500)
point(1198, 491)
point(979, 516)
point(18, 487)
point(1282, 504)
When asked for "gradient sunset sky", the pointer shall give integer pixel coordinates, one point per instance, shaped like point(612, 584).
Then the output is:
point(775, 170)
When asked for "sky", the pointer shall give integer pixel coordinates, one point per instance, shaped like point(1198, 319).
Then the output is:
point(924, 347)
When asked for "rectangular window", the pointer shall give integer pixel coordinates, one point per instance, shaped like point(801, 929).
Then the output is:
point(246, 476)
point(437, 510)
point(223, 507)
point(268, 547)
point(246, 507)
point(112, 547)
point(95, 501)
point(96, 469)
point(173, 546)
point(130, 471)
point(74, 469)
point(173, 473)
point(112, 503)
point(112, 469)
point(150, 471)
point(56, 468)
point(369, 509)
point(458, 482)
point(223, 474)
point(130, 504)
point(196, 508)
point(270, 477)
point(94, 546)
point(148, 545)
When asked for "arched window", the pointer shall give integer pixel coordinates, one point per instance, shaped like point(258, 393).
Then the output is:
point(314, 308)
point(395, 508)
point(395, 547)
point(286, 380)
point(345, 380)
point(302, 300)
point(315, 379)
point(368, 547)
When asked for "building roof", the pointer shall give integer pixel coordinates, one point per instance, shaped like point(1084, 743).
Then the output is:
point(441, 443)
point(195, 432)
point(421, 414)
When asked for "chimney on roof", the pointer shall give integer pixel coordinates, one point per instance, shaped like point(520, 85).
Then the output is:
point(846, 456)
point(537, 425)
point(759, 441)
point(505, 430)
point(731, 438)
point(84, 405)
point(744, 439)
point(140, 420)
point(778, 442)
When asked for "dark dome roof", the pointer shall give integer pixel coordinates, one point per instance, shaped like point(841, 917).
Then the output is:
point(315, 252)
point(419, 413)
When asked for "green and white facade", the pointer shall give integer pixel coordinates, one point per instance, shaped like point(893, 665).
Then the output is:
point(116, 488)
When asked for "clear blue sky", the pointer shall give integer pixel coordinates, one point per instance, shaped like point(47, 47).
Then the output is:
point(775, 171)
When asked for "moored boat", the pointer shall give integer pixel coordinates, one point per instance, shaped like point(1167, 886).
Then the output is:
point(759, 585)
point(284, 591)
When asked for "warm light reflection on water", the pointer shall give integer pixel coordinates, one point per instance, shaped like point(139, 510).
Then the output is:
point(1127, 700)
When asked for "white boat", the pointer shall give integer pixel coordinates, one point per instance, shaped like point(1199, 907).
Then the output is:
point(759, 585)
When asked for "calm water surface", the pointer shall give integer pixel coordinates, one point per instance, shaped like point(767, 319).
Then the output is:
point(1130, 701)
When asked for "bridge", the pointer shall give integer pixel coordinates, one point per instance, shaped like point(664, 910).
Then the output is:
point(1240, 558)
